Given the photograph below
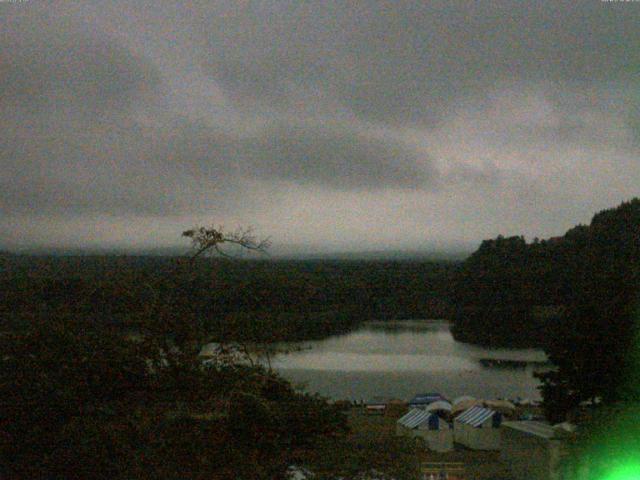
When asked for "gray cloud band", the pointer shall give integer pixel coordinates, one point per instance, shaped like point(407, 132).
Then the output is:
point(344, 97)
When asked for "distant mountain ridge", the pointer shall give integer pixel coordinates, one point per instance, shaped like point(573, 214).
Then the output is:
point(433, 255)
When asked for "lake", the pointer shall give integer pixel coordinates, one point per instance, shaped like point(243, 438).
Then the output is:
point(402, 358)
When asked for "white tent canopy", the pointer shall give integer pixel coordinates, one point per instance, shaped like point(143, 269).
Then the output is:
point(440, 405)
point(462, 404)
point(502, 406)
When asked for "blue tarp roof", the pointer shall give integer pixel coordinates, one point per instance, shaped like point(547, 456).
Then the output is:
point(475, 416)
point(425, 398)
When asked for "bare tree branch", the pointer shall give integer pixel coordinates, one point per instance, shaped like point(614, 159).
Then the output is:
point(205, 240)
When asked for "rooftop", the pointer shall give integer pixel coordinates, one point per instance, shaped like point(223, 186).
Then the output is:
point(475, 416)
point(538, 429)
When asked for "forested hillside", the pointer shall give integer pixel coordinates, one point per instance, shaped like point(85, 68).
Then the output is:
point(278, 300)
point(101, 375)
point(513, 293)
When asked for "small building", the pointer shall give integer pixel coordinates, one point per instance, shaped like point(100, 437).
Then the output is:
point(382, 406)
point(436, 433)
point(478, 428)
point(438, 470)
point(533, 450)
point(374, 408)
point(421, 400)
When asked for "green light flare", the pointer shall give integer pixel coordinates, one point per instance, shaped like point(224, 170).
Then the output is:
point(610, 443)
point(626, 471)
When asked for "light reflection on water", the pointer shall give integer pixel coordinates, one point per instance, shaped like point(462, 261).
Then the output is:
point(374, 362)
point(399, 359)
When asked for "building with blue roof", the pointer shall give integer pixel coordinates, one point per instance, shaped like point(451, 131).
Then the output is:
point(478, 428)
point(436, 433)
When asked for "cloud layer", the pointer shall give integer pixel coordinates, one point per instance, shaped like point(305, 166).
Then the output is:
point(331, 124)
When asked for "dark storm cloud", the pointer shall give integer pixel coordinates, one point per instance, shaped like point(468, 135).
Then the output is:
point(74, 141)
point(118, 166)
point(49, 63)
point(337, 158)
point(415, 61)
point(115, 167)
point(71, 140)
point(461, 115)
point(68, 143)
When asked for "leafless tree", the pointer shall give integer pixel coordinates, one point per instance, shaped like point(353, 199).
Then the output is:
point(211, 240)
point(205, 240)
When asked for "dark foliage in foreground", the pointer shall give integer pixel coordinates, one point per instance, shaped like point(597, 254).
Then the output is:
point(597, 345)
point(102, 377)
point(83, 402)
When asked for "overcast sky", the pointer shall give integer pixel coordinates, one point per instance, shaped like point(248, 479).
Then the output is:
point(326, 125)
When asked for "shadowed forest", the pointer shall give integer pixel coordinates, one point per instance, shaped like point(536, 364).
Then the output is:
point(101, 353)
point(507, 293)
point(512, 293)
point(280, 300)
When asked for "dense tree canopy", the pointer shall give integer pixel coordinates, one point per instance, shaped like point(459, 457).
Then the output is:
point(80, 401)
point(574, 295)
point(306, 299)
point(595, 346)
point(511, 293)
point(83, 397)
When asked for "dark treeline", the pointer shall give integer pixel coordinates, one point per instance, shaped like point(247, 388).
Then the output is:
point(81, 398)
point(263, 300)
point(507, 293)
point(513, 293)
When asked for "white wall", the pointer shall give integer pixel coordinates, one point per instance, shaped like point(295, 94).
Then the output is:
point(436, 440)
point(485, 437)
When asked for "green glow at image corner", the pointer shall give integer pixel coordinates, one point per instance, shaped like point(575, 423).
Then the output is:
point(627, 471)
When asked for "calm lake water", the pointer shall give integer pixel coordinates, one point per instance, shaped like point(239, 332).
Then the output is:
point(400, 359)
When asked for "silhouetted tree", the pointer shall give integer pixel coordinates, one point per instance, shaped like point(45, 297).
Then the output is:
point(80, 399)
point(595, 346)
